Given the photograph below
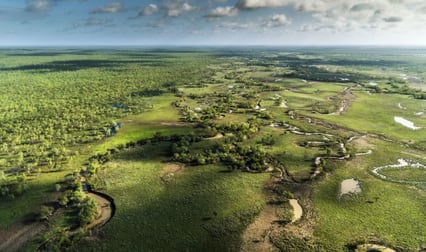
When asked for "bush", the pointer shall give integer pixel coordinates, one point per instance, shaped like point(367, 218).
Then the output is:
point(45, 212)
point(88, 212)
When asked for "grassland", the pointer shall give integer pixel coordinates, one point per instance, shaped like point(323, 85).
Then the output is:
point(194, 146)
point(193, 208)
point(377, 213)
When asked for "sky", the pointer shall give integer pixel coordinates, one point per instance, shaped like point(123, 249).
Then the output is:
point(212, 22)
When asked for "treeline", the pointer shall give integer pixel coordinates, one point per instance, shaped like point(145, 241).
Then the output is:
point(398, 87)
point(316, 73)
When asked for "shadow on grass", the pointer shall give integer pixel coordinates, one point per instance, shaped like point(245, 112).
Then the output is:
point(48, 53)
point(75, 65)
point(144, 53)
point(198, 209)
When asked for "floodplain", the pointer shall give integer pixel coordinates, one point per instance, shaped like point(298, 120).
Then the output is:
point(225, 149)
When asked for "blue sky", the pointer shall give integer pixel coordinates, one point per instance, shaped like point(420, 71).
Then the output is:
point(212, 22)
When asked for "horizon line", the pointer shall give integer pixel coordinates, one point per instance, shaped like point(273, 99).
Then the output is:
point(70, 46)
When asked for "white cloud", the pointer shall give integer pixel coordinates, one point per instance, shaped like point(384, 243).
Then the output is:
point(223, 12)
point(233, 25)
point(357, 15)
point(108, 8)
point(277, 20)
point(149, 10)
point(175, 9)
point(306, 28)
point(255, 4)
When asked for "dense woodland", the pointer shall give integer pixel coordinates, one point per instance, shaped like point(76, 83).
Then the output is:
point(50, 108)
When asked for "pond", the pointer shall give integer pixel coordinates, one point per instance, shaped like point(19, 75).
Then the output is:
point(349, 186)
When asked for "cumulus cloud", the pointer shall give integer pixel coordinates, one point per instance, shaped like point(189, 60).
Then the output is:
point(277, 20)
point(175, 9)
point(113, 7)
point(255, 4)
point(223, 12)
point(233, 25)
point(344, 16)
point(149, 10)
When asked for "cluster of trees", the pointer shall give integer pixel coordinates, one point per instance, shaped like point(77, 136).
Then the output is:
point(219, 104)
point(12, 187)
point(72, 196)
point(233, 151)
point(396, 87)
point(233, 155)
point(82, 210)
point(49, 109)
point(314, 73)
point(327, 107)
point(88, 211)
point(240, 131)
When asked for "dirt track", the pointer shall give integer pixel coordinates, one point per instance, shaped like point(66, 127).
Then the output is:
point(104, 208)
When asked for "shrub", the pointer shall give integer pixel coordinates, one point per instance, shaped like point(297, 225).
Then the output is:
point(88, 212)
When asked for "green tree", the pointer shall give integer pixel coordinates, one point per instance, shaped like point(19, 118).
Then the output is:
point(45, 212)
point(88, 212)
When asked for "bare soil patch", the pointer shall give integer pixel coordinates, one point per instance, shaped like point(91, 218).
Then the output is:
point(169, 172)
point(304, 227)
point(256, 236)
point(104, 209)
point(15, 237)
point(171, 168)
point(217, 136)
point(362, 143)
point(173, 123)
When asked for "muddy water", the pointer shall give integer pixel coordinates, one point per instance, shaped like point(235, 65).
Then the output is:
point(350, 186)
point(372, 247)
point(298, 211)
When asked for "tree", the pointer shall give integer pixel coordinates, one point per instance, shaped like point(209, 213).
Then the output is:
point(93, 166)
point(77, 196)
point(45, 212)
point(63, 201)
point(88, 212)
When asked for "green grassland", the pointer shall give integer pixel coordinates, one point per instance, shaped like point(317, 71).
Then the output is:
point(377, 213)
point(190, 143)
point(194, 209)
point(408, 174)
point(377, 113)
